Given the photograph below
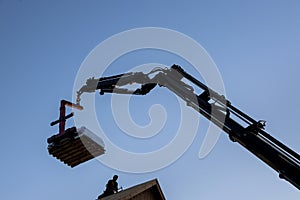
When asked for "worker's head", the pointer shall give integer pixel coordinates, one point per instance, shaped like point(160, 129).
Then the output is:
point(115, 177)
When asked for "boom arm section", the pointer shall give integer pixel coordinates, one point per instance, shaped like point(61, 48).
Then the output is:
point(214, 107)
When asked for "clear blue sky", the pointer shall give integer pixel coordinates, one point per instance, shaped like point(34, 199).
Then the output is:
point(255, 45)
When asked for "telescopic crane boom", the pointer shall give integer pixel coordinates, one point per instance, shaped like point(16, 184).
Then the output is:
point(211, 105)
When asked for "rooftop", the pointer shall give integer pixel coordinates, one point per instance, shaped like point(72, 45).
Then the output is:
point(145, 191)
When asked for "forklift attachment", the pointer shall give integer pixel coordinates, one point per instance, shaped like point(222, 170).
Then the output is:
point(75, 146)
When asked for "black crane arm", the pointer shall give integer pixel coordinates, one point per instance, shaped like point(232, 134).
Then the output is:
point(214, 107)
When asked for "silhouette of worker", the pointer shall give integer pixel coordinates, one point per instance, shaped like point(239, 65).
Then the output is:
point(111, 187)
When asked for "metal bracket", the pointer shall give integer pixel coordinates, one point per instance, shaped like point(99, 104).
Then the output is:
point(62, 115)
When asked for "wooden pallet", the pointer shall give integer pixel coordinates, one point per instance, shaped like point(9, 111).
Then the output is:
point(78, 147)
